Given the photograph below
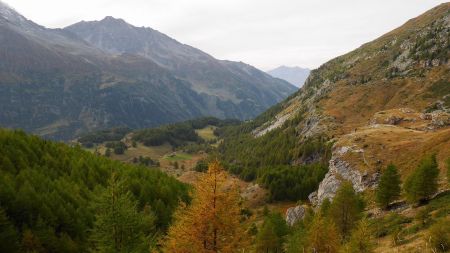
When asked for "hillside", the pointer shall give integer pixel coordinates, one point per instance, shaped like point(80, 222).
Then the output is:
point(399, 81)
point(51, 196)
point(58, 85)
point(387, 102)
point(295, 75)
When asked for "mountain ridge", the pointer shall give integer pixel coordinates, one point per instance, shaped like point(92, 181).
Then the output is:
point(56, 84)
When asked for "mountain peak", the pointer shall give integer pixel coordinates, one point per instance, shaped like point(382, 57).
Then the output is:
point(294, 75)
point(111, 19)
point(12, 16)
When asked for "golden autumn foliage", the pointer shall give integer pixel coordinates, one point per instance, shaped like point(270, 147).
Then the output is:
point(212, 222)
point(323, 236)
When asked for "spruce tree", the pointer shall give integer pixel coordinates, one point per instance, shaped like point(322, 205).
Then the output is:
point(119, 226)
point(388, 186)
point(422, 183)
point(346, 209)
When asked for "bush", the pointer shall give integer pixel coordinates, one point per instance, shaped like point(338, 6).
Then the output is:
point(439, 235)
point(201, 166)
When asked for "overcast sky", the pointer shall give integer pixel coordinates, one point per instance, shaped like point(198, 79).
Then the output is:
point(263, 33)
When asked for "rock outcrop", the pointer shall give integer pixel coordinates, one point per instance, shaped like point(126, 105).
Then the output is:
point(294, 214)
point(340, 170)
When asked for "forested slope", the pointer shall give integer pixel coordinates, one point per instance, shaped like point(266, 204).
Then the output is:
point(52, 197)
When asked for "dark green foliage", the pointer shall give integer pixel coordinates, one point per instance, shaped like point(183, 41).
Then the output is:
point(147, 161)
point(113, 134)
point(270, 236)
point(117, 146)
point(422, 183)
point(292, 182)
point(49, 194)
point(269, 157)
point(346, 209)
point(178, 134)
point(244, 150)
point(119, 225)
point(201, 166)
point(388, 186)
point(9, 240)
point(388, 224)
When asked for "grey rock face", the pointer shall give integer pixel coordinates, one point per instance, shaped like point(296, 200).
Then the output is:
point(294, 214)
point(339, 171)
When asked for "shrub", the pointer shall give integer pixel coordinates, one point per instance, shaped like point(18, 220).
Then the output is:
point(439, 236)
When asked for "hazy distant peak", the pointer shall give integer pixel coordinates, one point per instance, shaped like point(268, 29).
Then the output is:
point(294, 75)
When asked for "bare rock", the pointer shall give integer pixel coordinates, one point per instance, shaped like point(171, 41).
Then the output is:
point(340, 170)
point(294, 214)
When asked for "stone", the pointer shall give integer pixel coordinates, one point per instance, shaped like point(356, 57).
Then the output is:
point(294, 214)
point(340, 170)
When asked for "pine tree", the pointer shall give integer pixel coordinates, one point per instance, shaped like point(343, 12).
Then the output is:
point(346, 209)
point(322, 236)
point(271, 235)
point(422, 183)
point(361, 239)
point(119, 226)
point(212, 222)
point(388, 187)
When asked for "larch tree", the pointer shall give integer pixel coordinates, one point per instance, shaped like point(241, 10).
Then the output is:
point(422, 183)
point(346, 209)
point(388, 186)
point(361, 239)
point(322, 236)
point(211, 223)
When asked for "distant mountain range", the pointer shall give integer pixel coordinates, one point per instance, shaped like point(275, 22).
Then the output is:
point(59, 83)
point(294, 75)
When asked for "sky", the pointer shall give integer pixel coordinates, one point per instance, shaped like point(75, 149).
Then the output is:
point(263, 33)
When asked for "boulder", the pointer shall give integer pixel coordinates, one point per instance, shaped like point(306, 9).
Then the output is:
point(294, 214)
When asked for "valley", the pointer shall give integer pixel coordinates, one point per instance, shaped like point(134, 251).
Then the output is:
point(117, 138)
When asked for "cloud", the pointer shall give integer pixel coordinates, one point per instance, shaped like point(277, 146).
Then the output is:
point(264, 33)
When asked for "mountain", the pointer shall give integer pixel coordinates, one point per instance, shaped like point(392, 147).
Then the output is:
point(385, 102)
point(294, 75)
point(223, 81)
point(58, 85)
